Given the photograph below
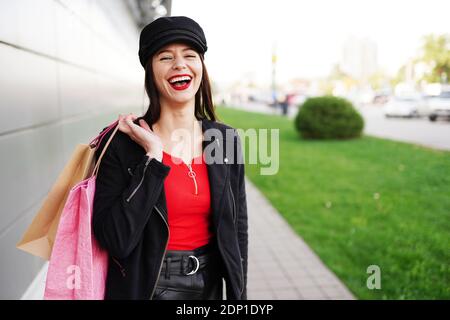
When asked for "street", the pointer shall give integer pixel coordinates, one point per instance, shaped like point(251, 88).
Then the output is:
point(418, 130)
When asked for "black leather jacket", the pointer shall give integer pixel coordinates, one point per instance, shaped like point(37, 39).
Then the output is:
point(130, 215)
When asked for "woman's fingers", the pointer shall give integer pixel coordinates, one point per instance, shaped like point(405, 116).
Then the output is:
point(144, 125)
point(125, 116)
point(126, 124)
point(129, 121)
point(140, 133)
point(122, 125)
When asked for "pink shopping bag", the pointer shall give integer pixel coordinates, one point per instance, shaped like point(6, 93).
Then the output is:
point(78, 265)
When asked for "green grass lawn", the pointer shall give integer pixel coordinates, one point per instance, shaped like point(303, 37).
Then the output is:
point(363, 202)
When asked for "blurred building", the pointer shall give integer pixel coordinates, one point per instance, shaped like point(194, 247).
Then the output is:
point(359, 58)
point(68, 69)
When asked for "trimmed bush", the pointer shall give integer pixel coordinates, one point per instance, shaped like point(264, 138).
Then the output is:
point(328, 117)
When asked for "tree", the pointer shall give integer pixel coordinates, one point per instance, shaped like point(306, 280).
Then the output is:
point(436, 54)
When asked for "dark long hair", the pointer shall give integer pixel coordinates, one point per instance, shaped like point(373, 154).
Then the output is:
point(204, 108)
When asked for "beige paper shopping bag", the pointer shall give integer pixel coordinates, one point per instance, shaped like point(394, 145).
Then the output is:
point(40, 235)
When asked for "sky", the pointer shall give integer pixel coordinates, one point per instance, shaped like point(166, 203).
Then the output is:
point(308, 35)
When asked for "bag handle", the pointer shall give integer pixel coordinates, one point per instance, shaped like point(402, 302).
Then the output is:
point(97, 165)
point(98, 139)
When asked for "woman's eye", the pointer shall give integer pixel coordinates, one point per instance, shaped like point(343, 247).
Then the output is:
point(168, 58)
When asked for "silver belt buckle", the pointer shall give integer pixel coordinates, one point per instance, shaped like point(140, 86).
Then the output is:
point(197, 265)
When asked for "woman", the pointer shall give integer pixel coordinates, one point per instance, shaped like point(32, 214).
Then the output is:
point(172, 213)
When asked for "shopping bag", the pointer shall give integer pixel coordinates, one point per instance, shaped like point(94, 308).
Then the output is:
point(38, 239)
point(78, 265)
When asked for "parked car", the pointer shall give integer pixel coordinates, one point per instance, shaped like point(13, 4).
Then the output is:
point(439, 106)
point(408, 106)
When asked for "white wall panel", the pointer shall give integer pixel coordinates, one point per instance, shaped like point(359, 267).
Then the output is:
point(28, 89)
point(68, 68)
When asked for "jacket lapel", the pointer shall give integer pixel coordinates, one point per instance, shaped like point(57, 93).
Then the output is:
point(217, 172)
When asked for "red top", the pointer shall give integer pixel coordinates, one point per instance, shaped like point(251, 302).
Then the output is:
point(189, 213)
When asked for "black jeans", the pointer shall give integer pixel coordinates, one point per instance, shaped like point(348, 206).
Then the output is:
point(191, 275)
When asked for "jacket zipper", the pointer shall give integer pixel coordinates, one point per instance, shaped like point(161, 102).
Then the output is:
point(240, 264)
point(122, 269)
point(140, 182)
point(240, 258)
point(234, 221)
point(234, 204)
point(242, 272)
point(165, 250)
point(130, 172)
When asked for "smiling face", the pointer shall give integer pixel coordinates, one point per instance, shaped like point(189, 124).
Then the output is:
point(177, 71)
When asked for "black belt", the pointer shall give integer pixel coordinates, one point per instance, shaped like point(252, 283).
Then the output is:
point(188, 262)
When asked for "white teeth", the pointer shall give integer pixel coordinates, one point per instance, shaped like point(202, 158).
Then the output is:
point(179, 79)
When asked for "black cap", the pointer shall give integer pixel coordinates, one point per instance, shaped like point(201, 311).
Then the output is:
point(165, 30)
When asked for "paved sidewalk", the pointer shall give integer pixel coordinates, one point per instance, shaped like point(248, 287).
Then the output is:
point(281, 265)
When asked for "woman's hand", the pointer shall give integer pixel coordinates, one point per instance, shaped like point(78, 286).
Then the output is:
point(142, 135)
